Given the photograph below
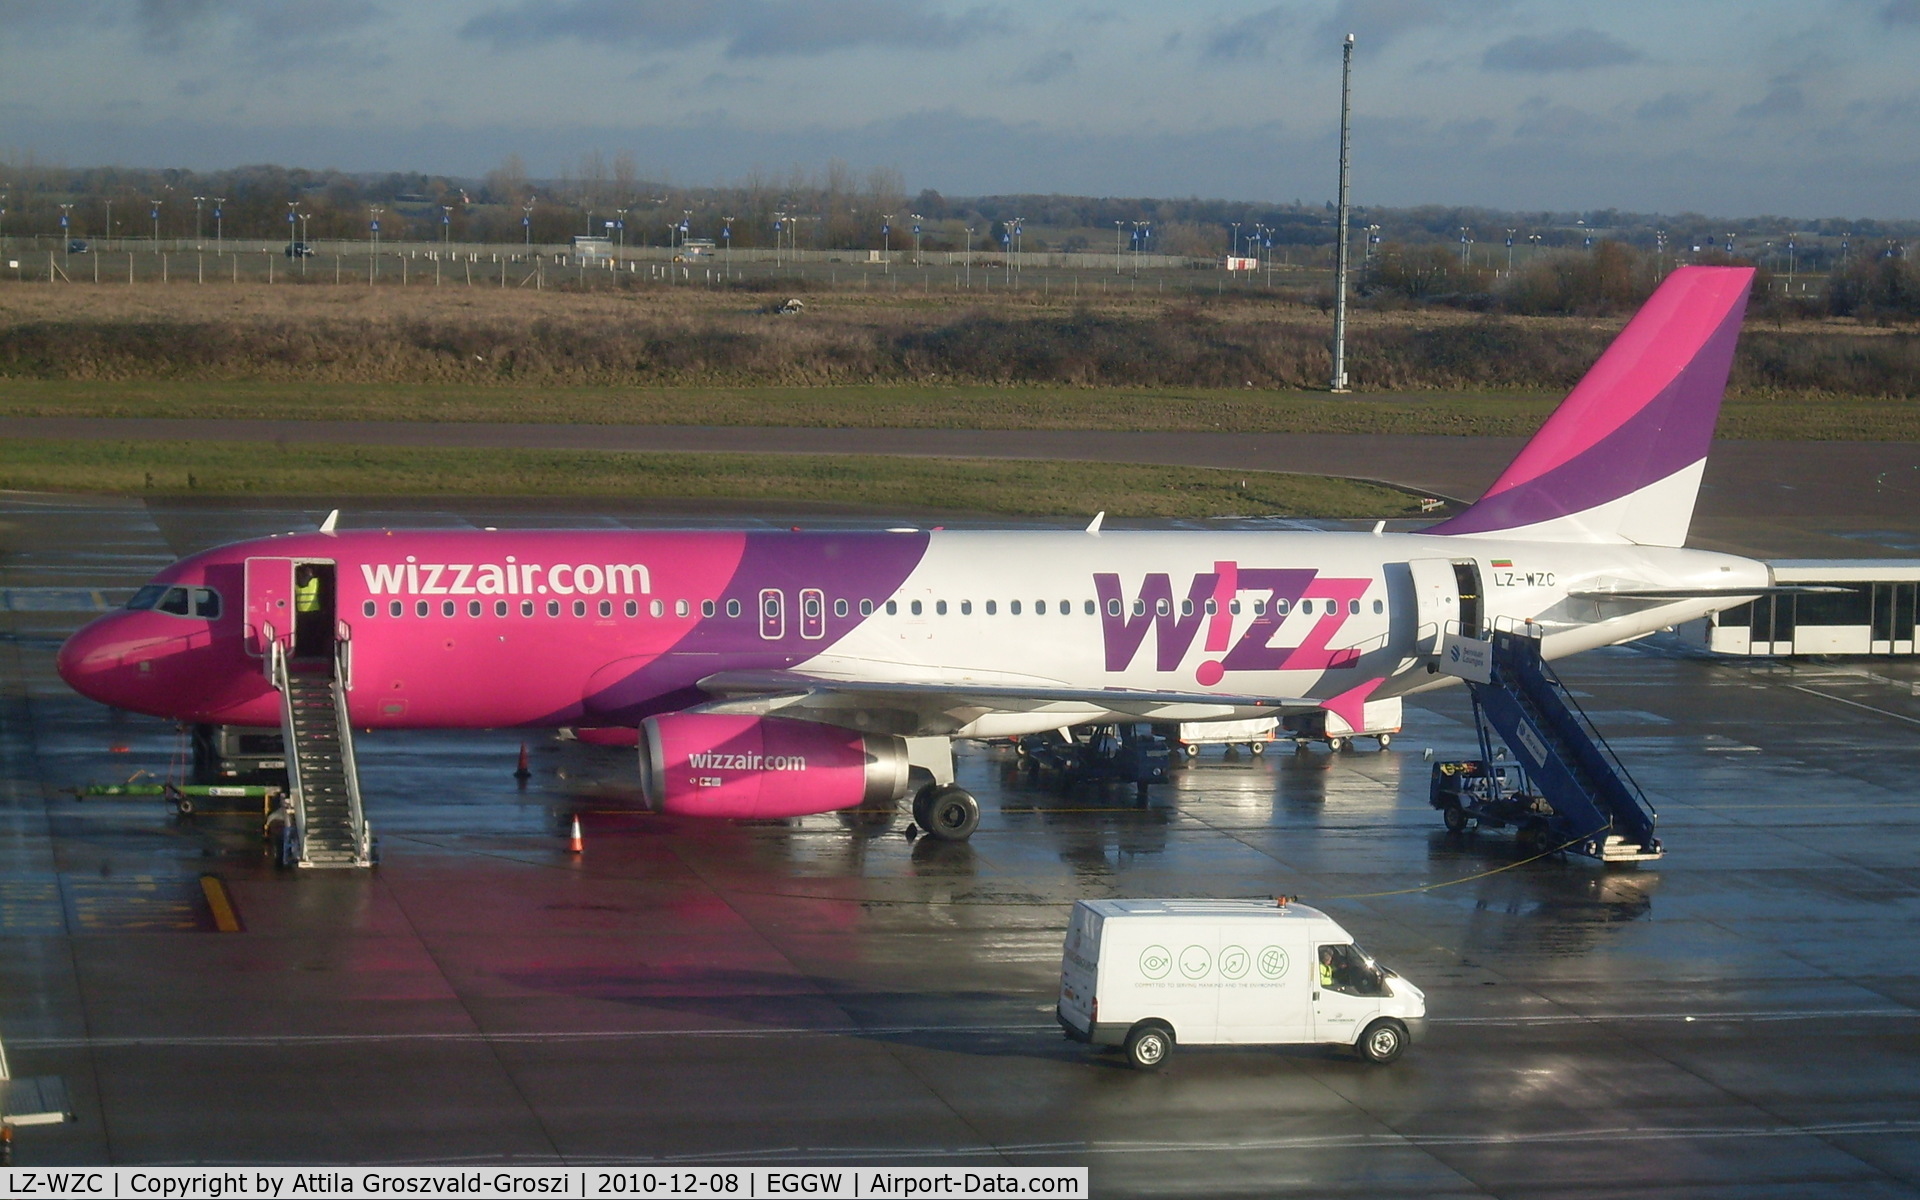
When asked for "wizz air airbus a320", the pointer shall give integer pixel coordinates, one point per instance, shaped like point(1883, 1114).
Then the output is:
point(769, 674)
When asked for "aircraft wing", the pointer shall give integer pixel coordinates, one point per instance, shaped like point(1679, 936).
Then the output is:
point(937, 707)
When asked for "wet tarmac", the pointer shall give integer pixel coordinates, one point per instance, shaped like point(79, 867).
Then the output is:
point(1742, 1017)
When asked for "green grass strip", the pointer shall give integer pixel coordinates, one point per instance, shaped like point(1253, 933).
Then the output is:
point(916, 485)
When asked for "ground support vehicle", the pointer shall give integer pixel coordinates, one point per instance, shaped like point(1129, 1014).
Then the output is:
point(1125, 753)
point(1149, 975)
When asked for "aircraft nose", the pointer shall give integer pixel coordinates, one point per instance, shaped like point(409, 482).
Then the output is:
point(90, 659)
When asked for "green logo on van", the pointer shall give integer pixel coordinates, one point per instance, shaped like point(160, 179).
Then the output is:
point(1234, 961)
point(1194, 961)
point(1155, 962)
point(1273, 962)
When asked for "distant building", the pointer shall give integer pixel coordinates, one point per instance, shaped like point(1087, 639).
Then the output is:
point(591, 248)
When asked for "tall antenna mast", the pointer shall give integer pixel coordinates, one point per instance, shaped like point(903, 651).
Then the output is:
point(1340, 244)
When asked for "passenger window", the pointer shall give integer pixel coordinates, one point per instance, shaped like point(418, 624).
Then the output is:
point(553, 608)
point(866, 608)
point(446, 608)
point(1353, 606)
point(810, 606)
point(499, 608)
point(706, 608)
point(733, 608)
point(1089, 608)
point(606, 608)
point(656, 608)
point(1066, 608)
point(1163, 607)
point(369, 609)
point(966, 608)
point(840, 608)
point(420, 608)
point(473, 608)
point(1378, 608)
point(1260, 607)
point(916, 608)
point(681, 608)
point(992, 608)
point(1113, 608)
point(395, 608)
point(1040, 607)
point(939, 608)
point(633, 608)
point(1186, 608)
point(1233, 606)
point(579, 608)
point(175, 602)
point(1013, 608)
point(526, 608)
point(1139, 608)
point(893, 608)
point(1213, 606)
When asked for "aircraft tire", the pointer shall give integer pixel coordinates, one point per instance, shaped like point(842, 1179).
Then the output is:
point(1336, 744)
point(1256, 748)
point(1455, 818)
point(952, 815)
point(923, 803)
point(1386, 739)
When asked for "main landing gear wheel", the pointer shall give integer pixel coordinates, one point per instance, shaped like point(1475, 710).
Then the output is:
point(922, 800)
point(1383, 1041)
point(952, 814)
point(1148, 1046)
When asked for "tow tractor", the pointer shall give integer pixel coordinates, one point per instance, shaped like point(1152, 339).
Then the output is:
point(1129, 752)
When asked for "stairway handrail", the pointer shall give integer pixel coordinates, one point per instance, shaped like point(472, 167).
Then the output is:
point(351, 768)
point(296, 788)
point(1593, 732)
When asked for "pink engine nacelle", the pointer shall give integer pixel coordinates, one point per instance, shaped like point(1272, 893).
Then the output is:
point(715, 765)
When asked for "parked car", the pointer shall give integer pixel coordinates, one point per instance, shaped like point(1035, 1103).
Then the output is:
point(77, 246)
point(299, 250)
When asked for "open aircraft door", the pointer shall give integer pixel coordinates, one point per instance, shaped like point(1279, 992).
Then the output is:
point(269, 588)
point(1436, 592)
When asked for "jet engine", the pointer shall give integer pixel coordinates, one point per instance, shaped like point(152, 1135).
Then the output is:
point(715, 765)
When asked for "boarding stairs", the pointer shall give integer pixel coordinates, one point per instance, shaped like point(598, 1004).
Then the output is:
point(1573, 793)
point(326, 825)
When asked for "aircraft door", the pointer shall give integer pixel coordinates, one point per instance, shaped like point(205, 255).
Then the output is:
point(269, 604)
point(773, 614)
point(1436, 602)
point(813, 613)
point(1466, 576)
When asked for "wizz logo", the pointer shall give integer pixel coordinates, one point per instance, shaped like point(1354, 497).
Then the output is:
point(1270, 595)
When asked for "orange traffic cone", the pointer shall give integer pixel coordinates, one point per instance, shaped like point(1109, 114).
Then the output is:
point(573, 843)
point(521, 772)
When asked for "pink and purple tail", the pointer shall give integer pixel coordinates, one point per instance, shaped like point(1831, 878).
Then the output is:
point(1620, 460)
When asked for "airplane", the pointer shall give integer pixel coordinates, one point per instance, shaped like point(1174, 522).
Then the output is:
point(766, 674)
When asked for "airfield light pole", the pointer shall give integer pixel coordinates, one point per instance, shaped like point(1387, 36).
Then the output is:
point(1510, 234)
point(155, 214)
point(726, 236)
point(969, 256)
point(66, 224)
point(197, 202)
point(1235, 252)
point(917, 219)
point(886, 234)
point(1016, 234)
point(219, 224)
point(107, 236)
point(526, 220)
point(1340, 238)
point(304, 218)
point(292, 216)
point(373, 267)
point(446, 229)
point(1118, 229)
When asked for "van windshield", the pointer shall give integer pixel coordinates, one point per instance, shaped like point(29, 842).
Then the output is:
point(1347, 969)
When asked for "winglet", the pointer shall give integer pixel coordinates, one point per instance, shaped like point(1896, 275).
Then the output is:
point(333, 518)
point(1093, 526)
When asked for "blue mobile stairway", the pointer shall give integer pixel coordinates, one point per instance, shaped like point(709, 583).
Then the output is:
point(1564, 789)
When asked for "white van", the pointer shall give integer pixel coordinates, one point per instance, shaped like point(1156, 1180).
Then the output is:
point(1148, 974)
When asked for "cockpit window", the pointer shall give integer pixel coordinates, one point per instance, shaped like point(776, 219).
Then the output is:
point(178, 601)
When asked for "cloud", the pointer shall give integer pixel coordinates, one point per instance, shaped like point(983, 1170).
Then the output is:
point(1901, 12)
point(1575, 50)
point(1541, 118)
point(1046, 68)
point(1249, 37)
point(1783, 99)
point(1671, 106)
point(748, 28)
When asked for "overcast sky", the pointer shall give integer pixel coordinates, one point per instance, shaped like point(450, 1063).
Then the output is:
point(1730, 107)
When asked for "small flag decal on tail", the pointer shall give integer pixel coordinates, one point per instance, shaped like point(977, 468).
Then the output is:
point(1502, 562)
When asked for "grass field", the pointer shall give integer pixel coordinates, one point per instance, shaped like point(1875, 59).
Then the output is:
point(901, 485)
point(1483, 414)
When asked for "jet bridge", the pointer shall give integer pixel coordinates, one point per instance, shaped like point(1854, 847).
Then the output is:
point(1564, 788)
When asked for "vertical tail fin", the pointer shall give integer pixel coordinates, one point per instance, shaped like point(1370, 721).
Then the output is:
point(1620, 460)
